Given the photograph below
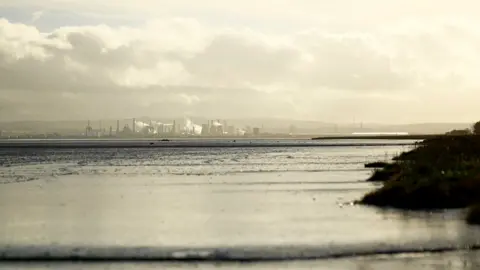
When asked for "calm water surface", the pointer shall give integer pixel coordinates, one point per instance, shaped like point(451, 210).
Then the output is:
point(242, 203)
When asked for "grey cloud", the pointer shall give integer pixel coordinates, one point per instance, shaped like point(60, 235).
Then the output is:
point(90, 49)
point(350, 63)
point(230, 59)
point(82, 79)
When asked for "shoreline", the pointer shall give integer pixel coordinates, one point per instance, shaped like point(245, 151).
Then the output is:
point(312, 137)
point(180, 144)
point(380, 137)
point(439, 173)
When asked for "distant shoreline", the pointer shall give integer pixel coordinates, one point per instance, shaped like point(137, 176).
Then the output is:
point(379, 137)
point(169, 137)
point(239, 138)
point(183, 143)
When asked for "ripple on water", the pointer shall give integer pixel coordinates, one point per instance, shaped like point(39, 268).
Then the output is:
point(30, 164)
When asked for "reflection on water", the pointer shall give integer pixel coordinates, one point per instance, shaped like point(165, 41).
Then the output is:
point(301, 220)
point(444, 261)
point(19, 165)
point(272, 212)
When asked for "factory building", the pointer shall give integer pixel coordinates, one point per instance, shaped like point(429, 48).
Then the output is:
point(231, 130)
point(205, 130)
point(91, 132)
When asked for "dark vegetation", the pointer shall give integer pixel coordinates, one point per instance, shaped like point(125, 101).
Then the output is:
point(387, 172)
point(458, 132)
point(378, 164)
point(476, 128)
point(473, 215)
point(440, 173)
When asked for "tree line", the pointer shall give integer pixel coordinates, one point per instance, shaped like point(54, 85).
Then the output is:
point(475, 130)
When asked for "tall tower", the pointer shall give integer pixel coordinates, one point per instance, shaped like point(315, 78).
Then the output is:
point(87, 129)
point(118, 126)
point(134, 126)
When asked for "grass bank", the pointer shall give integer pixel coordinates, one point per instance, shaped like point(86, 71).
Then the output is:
point(440, 173)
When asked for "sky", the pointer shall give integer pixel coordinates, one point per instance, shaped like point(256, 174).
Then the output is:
point(397, 61)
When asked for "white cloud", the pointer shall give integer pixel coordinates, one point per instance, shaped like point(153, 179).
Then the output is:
point(175, 65)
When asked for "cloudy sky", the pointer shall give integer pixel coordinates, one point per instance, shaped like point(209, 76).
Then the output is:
point(373, 60)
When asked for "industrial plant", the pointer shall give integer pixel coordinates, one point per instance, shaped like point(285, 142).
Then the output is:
point(187, 128)
point(193, 127)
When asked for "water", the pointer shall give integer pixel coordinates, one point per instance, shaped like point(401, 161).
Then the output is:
point(274, 207)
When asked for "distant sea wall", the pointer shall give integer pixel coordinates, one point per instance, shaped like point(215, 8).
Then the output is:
point(379, 137)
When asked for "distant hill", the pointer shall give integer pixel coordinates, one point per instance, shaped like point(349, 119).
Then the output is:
point(429, 128)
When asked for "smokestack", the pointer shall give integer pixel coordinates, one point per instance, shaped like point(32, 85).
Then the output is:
point(111, 131)
point(133, 127)
point(118, 126)
point(87, 128)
